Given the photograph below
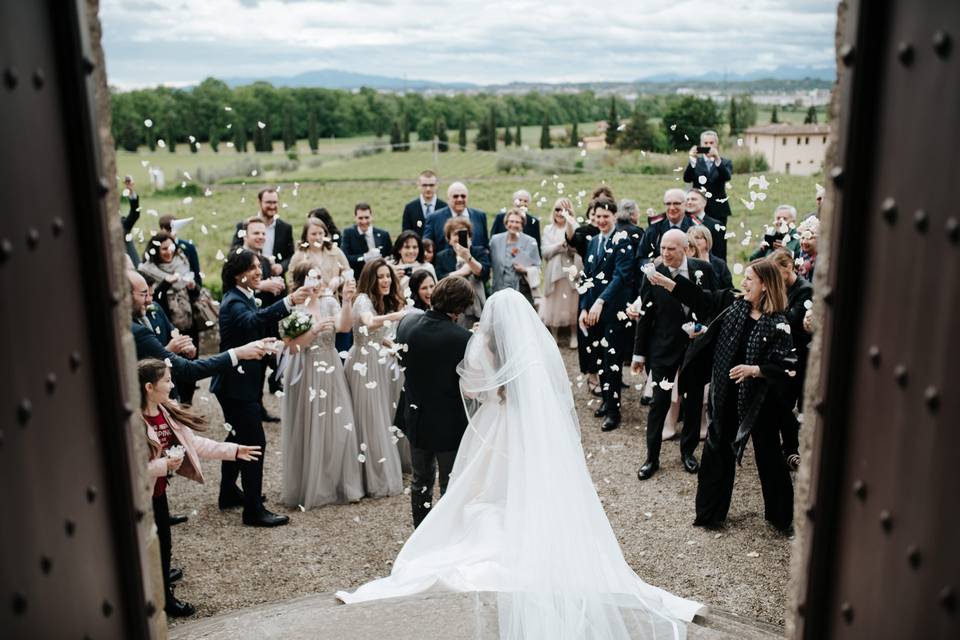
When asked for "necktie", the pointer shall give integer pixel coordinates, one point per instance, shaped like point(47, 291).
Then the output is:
point(370, 243)
point(428, 209)
point(603, 247)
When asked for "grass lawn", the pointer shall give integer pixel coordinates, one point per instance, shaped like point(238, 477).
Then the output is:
point(387, 182)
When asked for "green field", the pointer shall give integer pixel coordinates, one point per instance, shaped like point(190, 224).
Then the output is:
point(337, 180)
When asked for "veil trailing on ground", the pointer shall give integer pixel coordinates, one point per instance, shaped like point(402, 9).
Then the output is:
point(521, 516)
point(568, 577)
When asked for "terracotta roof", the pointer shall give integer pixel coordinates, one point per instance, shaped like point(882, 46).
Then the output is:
point(783, 129)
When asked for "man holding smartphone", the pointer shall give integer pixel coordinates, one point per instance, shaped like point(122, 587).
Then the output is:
point(708, 173)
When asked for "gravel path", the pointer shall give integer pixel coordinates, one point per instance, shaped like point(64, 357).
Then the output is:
point(743, 569)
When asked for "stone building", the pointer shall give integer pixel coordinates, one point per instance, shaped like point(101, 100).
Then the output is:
point(796, 149)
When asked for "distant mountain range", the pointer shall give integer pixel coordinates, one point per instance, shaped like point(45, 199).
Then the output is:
point(338, 79)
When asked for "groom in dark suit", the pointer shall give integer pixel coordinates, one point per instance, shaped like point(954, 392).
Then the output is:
point(661, 343)
point(238, 389)
point(433, 416)
point(608, 269)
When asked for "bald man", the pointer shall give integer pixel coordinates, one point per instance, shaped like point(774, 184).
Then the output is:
point(675, 217)
point(660, 344)
point(457, 196)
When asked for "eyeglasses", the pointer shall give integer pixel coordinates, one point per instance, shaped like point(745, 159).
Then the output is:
point(673, 204)
point(458, 196)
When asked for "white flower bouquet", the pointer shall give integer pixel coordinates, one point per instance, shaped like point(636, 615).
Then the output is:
point(295, 325)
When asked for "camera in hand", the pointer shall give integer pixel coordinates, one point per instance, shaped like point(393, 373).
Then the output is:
point(770, 238)
point(703, 149)
point(462, 237)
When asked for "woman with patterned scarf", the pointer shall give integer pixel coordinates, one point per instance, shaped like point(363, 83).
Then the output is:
point(747, 355)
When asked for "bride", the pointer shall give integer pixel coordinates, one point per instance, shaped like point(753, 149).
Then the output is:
point(521, 516)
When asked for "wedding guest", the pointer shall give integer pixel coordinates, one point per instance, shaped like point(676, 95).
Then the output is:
point(435, 225)
point(531, 224)
point(422, 284)
point(168, 425)
point(514, 257)
point(317, 436)
point(654, 216)
point(709, 173)
point(799, 300)
point(587, 346)
point(179, 351)
point(278, 239)
point(434, 418)
point(176, 283)
point(694, 205)
point(809, 231)
point(407, 256)
point(362, 242)
point(746, 355)
point(676, 218)
point(608, 269)
point(470, 262)
point(701, 242)
point(783, 234)
point(628, 215)
point(238, 390)
point(318, 249)
point(170, 224)
point(428, 250)
point(324, 216)
point(375, 379)
point(661, 342)
point(417, 210)
point(128, 221)
point(562, 266)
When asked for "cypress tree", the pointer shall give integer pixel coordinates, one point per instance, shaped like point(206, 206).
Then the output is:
point(574, 135)
point(507, 137)
point(462, 134)
point(289, 139)
point(313, 134)
point(214, 138)
point(396, 136)
point(613, 122)
point(443, 142)
point(239, 136)
point(493, 128)
point(811, 115)
point(545, 133)
point(482, 141)
point(151, 139)
point(406, 134)
point(517, 139)
point(773, 115)
point(733, 116)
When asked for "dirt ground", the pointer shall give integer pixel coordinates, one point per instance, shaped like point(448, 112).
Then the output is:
point(743, 569)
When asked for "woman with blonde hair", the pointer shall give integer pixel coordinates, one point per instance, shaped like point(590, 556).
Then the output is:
point(747, 356)
point(701, 242)
point(562, 265)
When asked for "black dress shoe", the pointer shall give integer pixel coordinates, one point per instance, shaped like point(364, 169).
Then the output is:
point(265, 519)
point(690, 463)
point(179, 609)
point(230, 501)
point(648, 469)
point(175, 575)
point(646, 401)
point(601, 411)
point(611, 422)
point(175, 520)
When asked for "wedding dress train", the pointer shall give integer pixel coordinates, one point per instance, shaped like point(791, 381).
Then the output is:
point(521, 516)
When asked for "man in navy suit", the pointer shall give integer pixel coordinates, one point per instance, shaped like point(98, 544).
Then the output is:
point(709, 173)
point(608, 273)
point(363, 242)
point(676, 218)
point(238, 390)
point(457, 195)
point(531, 225)
point(695, 207)
point(278, 244)
point(417, 210)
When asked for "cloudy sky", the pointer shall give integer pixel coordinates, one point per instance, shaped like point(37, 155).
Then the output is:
point(178, 42)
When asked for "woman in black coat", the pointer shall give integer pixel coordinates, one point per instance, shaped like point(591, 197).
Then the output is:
point(747, 355)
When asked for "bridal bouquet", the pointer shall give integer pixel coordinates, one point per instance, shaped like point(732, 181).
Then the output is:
point(176, 452)
point(295, 325)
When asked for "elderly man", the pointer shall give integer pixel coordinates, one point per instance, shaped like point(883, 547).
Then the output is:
point(531, 225)
point(457, 196)
point(783, 233)
point(363, 242)
point(417, 210)
point(676, 218)
point(695, 206)
point(661, 342)
point(708, 172)
point(608, 282)
point(278, 241)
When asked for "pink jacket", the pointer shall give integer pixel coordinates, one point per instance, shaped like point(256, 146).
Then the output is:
point(195, 447)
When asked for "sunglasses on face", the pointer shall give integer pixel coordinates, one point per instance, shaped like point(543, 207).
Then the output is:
point(673, 204)
point(457, 197)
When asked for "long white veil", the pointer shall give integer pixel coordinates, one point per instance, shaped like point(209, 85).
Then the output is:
point(566, 574)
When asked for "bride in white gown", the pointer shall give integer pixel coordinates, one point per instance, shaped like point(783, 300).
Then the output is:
point(521, 516)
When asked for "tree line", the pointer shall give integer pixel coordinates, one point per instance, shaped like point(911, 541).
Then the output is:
point(252, 117)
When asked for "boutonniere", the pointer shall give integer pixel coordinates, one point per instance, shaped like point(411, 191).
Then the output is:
point(258, 302)
point(514, 251)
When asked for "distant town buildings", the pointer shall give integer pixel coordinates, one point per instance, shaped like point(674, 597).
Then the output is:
point(795, 149)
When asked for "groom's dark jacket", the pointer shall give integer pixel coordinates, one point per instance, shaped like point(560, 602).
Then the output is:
point(434, 418)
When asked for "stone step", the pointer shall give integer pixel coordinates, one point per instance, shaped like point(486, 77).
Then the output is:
point(433, 616)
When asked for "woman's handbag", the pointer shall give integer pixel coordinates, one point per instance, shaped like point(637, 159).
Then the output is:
point(206, 311)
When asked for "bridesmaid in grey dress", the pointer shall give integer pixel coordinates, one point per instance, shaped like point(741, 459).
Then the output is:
point(318, 436)
point(375, 379)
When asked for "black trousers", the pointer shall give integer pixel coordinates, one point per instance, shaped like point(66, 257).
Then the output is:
point(720, 249)
point(425, 465)
point(690, 405)
point(718, 466)
point(611, 369)
point(244, 418)
point(161, 516)
point(587, 352)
